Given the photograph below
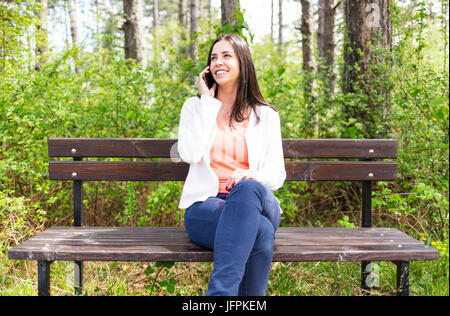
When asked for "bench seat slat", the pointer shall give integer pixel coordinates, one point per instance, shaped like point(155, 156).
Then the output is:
point(172, 244)
point(162, 241)
point(177, 171)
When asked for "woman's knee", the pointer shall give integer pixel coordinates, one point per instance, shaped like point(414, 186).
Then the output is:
point(265, 239)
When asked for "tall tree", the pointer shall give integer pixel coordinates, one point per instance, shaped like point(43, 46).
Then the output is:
point(72, 4)
point(210, 12)
point(181, 17)
point(193, 46)
point(306, 30)
point(271, 20)
point(228, 7)
point(134, 31)
point(156, 16)
point(368, 28)
point(155, 13)
point(326, 44)
point(41, 34)
point(280, 26)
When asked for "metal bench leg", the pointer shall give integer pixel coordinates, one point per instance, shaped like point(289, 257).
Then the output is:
point(366, 207)
point(78, 222)
point(79, 277)
point(402, 278)
point(44, 278)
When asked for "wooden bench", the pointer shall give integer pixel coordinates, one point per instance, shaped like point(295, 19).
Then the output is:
point(147, 244)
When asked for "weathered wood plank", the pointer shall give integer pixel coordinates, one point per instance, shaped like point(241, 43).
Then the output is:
point(172, 244)
point(177, 171)
point(161, 148)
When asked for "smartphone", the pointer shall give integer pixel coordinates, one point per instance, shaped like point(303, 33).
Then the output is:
point(209, 80)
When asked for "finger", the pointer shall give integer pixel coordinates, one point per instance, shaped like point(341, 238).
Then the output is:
point(203, 72)
point(228, 185)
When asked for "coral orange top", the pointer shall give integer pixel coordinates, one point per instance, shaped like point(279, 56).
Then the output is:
point(228, 151)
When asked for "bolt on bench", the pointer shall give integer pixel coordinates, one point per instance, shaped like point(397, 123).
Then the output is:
point(147, 244)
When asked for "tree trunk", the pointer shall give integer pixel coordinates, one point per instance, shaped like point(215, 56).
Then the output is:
point(326, 45)
point(210, 18)
point(134, 32)
point(42, 35)
point(181, 12)
point(72, 4)
point(155, 16)
point(306, 44)
point(366, 22)
point(308, 76)
point(280, 26)
point(368, 26)
point(156, 39)
point(228, 7)
point(193, 46)
point(271, 21)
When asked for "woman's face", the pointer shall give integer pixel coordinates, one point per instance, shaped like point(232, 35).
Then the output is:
point(224, 64)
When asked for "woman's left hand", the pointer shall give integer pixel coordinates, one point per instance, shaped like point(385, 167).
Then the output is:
point(238, 175)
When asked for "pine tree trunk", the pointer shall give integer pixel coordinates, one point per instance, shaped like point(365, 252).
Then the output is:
point(271, 21)
point(72, 5)
point(42, 35)
point(326, 45)
point(193, 47)
point(134, 32)
point(306, 30)
point(228, 7)
point(280, 27)
point(368, 28)
point(308, 76)
point(156, 39)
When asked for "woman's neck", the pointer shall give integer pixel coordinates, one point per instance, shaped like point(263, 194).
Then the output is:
point(227, 95)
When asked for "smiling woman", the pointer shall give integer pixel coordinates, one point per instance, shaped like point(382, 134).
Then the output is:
point(232, 140)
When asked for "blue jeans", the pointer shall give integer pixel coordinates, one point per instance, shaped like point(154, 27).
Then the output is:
point(240, 226)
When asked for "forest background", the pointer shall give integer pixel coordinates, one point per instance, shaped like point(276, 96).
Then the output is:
point(348, 69)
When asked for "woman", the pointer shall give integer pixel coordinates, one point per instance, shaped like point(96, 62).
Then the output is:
point(231, 138)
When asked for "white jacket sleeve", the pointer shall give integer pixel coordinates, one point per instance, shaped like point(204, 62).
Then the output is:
point(272, 173)
point(197, 123)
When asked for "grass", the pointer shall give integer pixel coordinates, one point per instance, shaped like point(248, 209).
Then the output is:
point(190, 279)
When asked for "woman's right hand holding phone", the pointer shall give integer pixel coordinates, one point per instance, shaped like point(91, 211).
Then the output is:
point(203, 86)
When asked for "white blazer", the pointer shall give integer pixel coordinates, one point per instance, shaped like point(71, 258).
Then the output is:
point(196, 134)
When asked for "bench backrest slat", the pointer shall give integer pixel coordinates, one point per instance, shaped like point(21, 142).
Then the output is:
point(177, 171)
point(161, 148)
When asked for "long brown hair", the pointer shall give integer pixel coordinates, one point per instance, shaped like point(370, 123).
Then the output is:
point(248, 93)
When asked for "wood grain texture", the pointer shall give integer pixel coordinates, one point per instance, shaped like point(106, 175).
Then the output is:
point(177, 171)
point(161, 148)
point(173, 244)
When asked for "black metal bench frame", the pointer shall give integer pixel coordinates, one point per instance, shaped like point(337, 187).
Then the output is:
point(366, 169)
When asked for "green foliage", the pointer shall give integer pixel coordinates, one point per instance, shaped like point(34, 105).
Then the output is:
point(237, 26)
point(166, 283)
point(345, 222)
point(114, 98)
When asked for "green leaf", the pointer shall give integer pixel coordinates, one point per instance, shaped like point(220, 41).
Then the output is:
point(164, 264)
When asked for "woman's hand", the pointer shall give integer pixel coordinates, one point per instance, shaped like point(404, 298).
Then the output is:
point(237, 176)
point(203, 87)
